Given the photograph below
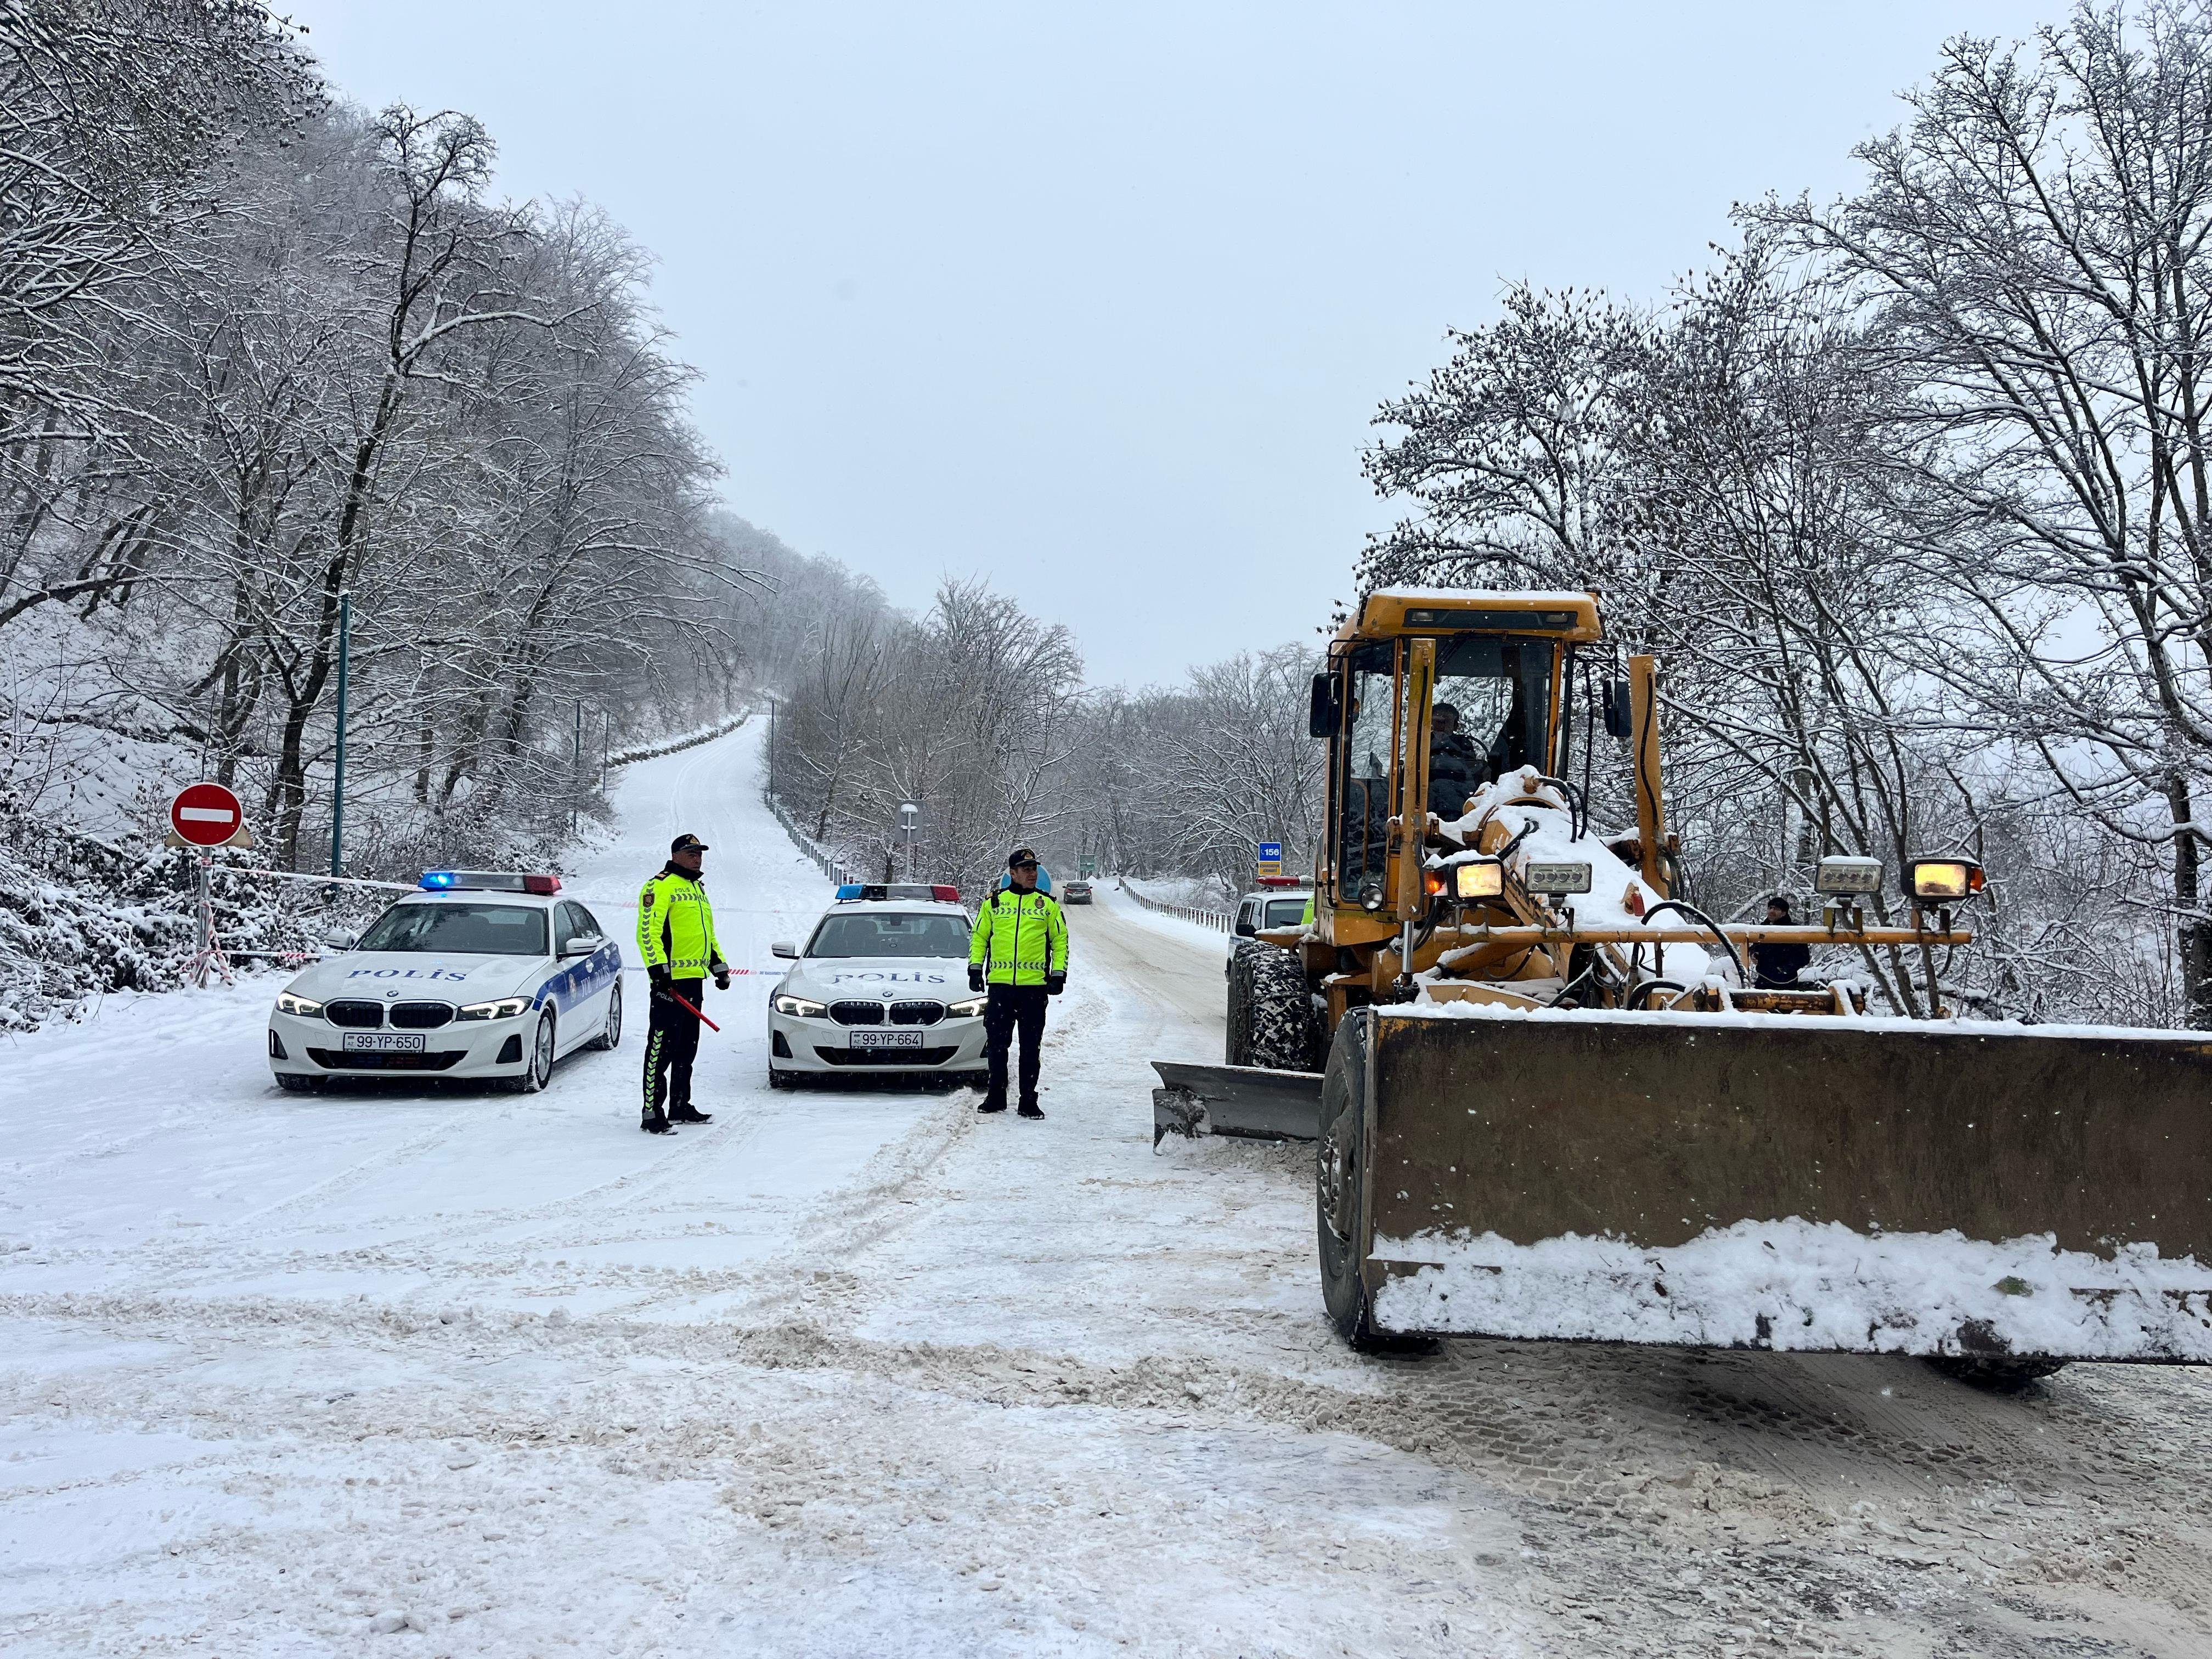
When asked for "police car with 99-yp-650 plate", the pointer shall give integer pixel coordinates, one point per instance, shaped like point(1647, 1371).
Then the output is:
point(880, 988)
point(481, 974)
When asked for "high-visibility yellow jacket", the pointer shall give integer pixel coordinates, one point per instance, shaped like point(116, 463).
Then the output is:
point(676, 925)
point(1019, 937)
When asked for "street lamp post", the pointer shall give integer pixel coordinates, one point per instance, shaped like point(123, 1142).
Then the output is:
point(909, 816)
point(338, 757)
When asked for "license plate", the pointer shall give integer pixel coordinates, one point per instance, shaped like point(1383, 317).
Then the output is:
point(382, 1043)
point(886, 1039)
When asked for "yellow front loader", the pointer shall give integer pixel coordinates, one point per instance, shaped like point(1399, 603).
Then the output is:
point(1548, 1101)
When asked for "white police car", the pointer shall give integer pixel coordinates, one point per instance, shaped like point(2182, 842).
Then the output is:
point(881, 988)
point(481, 975)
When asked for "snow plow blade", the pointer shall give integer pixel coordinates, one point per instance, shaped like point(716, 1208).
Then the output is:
point(1250, 1101)
point(1787, 1183)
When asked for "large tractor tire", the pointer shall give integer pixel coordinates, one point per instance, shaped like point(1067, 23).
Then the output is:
point(1338, 1164)
point(1271, 1013)
point(1237, 1051)
point(2009, 1376)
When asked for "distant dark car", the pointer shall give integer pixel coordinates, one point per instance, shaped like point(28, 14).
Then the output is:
point(1076, 892)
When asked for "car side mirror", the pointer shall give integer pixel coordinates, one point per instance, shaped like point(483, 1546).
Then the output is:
point(1619, 722)
point(1245, 929)
point(784, 948)
point(1321, 714)
point(339, 940)
point(582, 944)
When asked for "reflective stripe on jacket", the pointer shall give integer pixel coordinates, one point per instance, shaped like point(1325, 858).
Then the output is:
point(676, 925)
point(1019, 937)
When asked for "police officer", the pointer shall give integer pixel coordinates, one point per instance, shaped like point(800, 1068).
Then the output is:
point(675, 938)
point(1020, 949)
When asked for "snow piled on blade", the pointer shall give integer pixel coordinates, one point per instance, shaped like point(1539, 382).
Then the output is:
point(1797, 1285)
point(1522, 800)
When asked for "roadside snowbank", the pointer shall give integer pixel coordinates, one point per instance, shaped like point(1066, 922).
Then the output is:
point(1211, 940)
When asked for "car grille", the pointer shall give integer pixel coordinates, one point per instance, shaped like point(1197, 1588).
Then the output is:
point(421, 1016)
point(358, 1016)
point(857, 1013)
point(916, 1014)
point(903, 1058)
point(331, 1060)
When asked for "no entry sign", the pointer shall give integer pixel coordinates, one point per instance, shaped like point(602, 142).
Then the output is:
point(205, 815)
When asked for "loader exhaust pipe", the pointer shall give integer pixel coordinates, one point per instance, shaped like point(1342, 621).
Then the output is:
point(1650, 802)
point(1413, 804)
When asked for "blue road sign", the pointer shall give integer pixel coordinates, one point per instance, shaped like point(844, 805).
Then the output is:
point(1271, 851)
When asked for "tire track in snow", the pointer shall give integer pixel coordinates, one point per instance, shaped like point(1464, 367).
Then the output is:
point(1607, 1538)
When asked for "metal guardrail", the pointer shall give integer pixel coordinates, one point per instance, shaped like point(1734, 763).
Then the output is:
point(677, 746)
point(831, 866)
point(1219, 920)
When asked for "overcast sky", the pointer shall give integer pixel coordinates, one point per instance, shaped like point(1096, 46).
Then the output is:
point(1098, 301)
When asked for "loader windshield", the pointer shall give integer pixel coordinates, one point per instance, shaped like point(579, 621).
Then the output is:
point(1363, 792)
point(1498, 693)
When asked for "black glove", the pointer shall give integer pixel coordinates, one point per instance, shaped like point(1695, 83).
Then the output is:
point(663, 984)
point(722, 975)
point(974, 977)
point(1054, 984)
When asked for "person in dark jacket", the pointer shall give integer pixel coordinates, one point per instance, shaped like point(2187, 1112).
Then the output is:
point(1776, 967)
point(1456, 766)
point(1019, 951)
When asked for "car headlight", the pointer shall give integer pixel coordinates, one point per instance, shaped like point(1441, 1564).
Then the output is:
point(967, 1007)
point(505, 1008)
point(798, 1007)
point(305, 1007)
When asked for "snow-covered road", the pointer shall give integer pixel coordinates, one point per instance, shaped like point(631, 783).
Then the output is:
point(858, 1372)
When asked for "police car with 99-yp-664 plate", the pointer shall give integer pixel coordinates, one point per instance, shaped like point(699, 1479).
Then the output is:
point(480, 975)
point(880, 988)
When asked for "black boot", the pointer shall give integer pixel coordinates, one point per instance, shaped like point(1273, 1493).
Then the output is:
point(655, 1124)
point(688, 1114)
point(992, 1106)
point(1030, 1108)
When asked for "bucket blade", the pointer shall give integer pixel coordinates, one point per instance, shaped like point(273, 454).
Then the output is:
point(1251, 1101)
point(1792, 1183)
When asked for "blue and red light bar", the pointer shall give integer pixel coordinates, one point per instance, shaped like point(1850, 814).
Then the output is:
point(877, 891)
point(487, 881)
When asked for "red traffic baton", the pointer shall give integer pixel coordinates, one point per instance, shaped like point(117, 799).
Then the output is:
point(701, 1017)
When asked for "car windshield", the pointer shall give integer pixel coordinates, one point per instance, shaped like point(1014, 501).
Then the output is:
point(461, 930)
point(888, 934)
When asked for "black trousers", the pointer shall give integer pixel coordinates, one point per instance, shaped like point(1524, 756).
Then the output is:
point(1012, 1006)
point(671, 1043)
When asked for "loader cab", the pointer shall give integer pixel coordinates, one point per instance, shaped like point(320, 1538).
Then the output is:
point(1501, 665)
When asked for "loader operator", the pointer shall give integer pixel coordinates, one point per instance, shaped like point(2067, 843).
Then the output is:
point(1456, 765)
point(676, 939)
point(1776, 967)
point(1019, 950)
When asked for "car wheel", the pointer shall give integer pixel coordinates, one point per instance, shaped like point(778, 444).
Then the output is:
point(611, 1037)
point(540, 1071)
point(296, 1082)
point(782, 1079)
